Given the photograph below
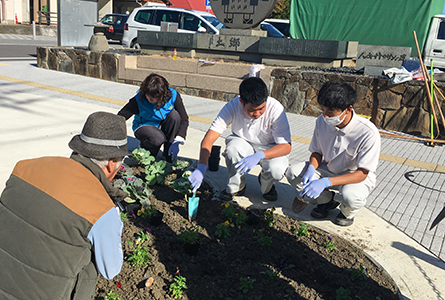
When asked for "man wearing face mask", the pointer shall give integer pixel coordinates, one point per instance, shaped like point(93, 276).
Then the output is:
point(345, 152)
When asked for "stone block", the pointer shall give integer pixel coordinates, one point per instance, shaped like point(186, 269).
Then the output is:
point(293, 99)
point(303, 48)
point(234, 43)
point(374, 71)
point(312, 109)
point(110, 66)
point(352, 49)
point(413, 96)
point(205, 82)
point(417, 122)
point(126, 62)
point(95, 58)
point(94, 70)
point(65, 63)
point(388, 100)
point(167, 39)
point(277, 90)
point(53, 59)
point(79, 59)
point(398, 88)
point(381, 56)
point(243, 32)
point(42, 57)
point(167, 64)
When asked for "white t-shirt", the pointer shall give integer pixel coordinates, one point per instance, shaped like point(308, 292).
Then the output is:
point(271, 127)
point(357, 145)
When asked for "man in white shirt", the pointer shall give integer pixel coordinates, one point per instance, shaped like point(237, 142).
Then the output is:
point(260, 134)
point(345, 153)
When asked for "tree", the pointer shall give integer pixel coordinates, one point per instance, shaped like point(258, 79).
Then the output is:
point(281, 10)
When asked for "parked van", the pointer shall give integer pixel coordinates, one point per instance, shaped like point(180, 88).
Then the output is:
point(282, 25)
point(150, 18)
point(435, 43)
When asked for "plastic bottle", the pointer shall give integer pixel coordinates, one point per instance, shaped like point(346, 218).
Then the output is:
point(175, 54)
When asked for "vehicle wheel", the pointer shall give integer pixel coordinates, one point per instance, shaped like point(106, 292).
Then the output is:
point(135, 45)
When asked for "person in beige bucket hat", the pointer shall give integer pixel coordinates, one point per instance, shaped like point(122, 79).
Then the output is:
point(61, 227)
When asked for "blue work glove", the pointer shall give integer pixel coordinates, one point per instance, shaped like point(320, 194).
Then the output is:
point(309, 175)
point(197, 176)
point(247, 163)
point(314, 188)
point(174, 149)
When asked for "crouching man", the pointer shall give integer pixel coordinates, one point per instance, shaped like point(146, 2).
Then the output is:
point(59, 226)
point(345, 152)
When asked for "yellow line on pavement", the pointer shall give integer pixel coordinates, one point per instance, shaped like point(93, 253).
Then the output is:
point(298, 139)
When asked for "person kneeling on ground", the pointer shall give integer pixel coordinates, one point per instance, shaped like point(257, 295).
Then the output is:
point(160, 117)
point(345, 153)
point(260, 134)
point(60, 227)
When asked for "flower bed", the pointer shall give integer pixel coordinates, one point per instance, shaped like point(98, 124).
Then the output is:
point(242, 255)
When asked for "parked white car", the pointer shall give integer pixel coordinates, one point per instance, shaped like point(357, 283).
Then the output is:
point(150, 18)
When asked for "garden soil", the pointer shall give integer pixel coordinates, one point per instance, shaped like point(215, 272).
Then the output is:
point(291, 267)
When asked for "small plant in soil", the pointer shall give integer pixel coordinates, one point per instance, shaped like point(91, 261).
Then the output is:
point(111, 295)
point(156, 172)
point(262, 238)
point(246, 284)
point(190, 234)
point(143, 156)
point(269, 216)
point(228, 211)
point(223, 230)
point(178, 285)
point(140, 256)
point(343, 294)
point(136, 189)
point(271, 274)
point(358, 273)
point(241, 218)
point(180, 163)
point(123, 216)
point(149, 211)
point(329, 244)
point(143, 236)
point(302, 230)
point(182, 184)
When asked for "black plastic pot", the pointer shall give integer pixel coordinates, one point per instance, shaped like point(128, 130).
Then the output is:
point(191, 249)
point(156, 219)
point(213, 164)
point(252, 218)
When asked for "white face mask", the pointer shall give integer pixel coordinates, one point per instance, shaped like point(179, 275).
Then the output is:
point(334, 121)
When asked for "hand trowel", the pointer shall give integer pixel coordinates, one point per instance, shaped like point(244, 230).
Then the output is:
point(193, 206)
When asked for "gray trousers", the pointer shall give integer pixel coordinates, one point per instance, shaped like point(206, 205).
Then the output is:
point(273, 169)
point(352, 197)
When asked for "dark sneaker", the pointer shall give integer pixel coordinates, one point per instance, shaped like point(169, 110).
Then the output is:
point(342, 220)
point(226, 197)
point(272, 194)
point(322, 210)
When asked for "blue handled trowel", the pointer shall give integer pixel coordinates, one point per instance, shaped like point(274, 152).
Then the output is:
point(193, 206)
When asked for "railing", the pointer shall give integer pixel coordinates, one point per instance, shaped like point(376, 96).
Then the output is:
point(47, 17)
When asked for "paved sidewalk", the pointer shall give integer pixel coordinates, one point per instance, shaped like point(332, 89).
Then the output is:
point(41, 110)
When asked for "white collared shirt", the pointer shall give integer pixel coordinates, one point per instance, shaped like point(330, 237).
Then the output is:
point(357, 145)
point(271, 128)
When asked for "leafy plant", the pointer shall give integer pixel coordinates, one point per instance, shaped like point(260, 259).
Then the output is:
point(180, 163)
point(123, 216)
point(240, 218)
point(246, 284)
point(269, 217)
point(140, 255)
point(182, 184)
point(359, 273)
point(143, 236)
point(223, 229)
point(263, 239)
point(143, 156)
point(178, 285)
point(135, 187)
point(189, 235)
point(329, 244)
point(149, 211)
point(111, 295)
point(302, 230)
point(156, 172)
point(228, 211)
point(124, 170)
point(343, 294)
point(273, 275)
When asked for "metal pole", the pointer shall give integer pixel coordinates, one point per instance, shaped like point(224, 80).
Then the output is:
point(33, 30)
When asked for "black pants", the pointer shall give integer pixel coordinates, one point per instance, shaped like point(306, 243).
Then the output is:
point(152, 137)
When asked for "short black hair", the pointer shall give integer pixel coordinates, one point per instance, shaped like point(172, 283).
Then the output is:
point(253, 90)
point(337, 94)
point(157, 87)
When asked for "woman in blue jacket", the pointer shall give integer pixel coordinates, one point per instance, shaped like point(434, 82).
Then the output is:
point(160, 117)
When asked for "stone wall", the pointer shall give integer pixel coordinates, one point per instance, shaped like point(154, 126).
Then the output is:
point(400, 107)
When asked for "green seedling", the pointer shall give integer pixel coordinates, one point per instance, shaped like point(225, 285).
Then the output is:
point(269, 217)
point(111, 295)
point(177, 286)
point(142, 236)
point(156, 172)
point(123, 216)
point(359, 273)
point(343, 294)
point(149, 211)
point(140, 256)
point(302, 230)
point(135, 187)
point(143, 156)
point(246, 284)
point(240, 218)
point(263, 239)
point(180, 164)
point(228, 211)
point(189, 235)
point(329, 244)
point(273, 275)
point(182, 184)
point(223, 229)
